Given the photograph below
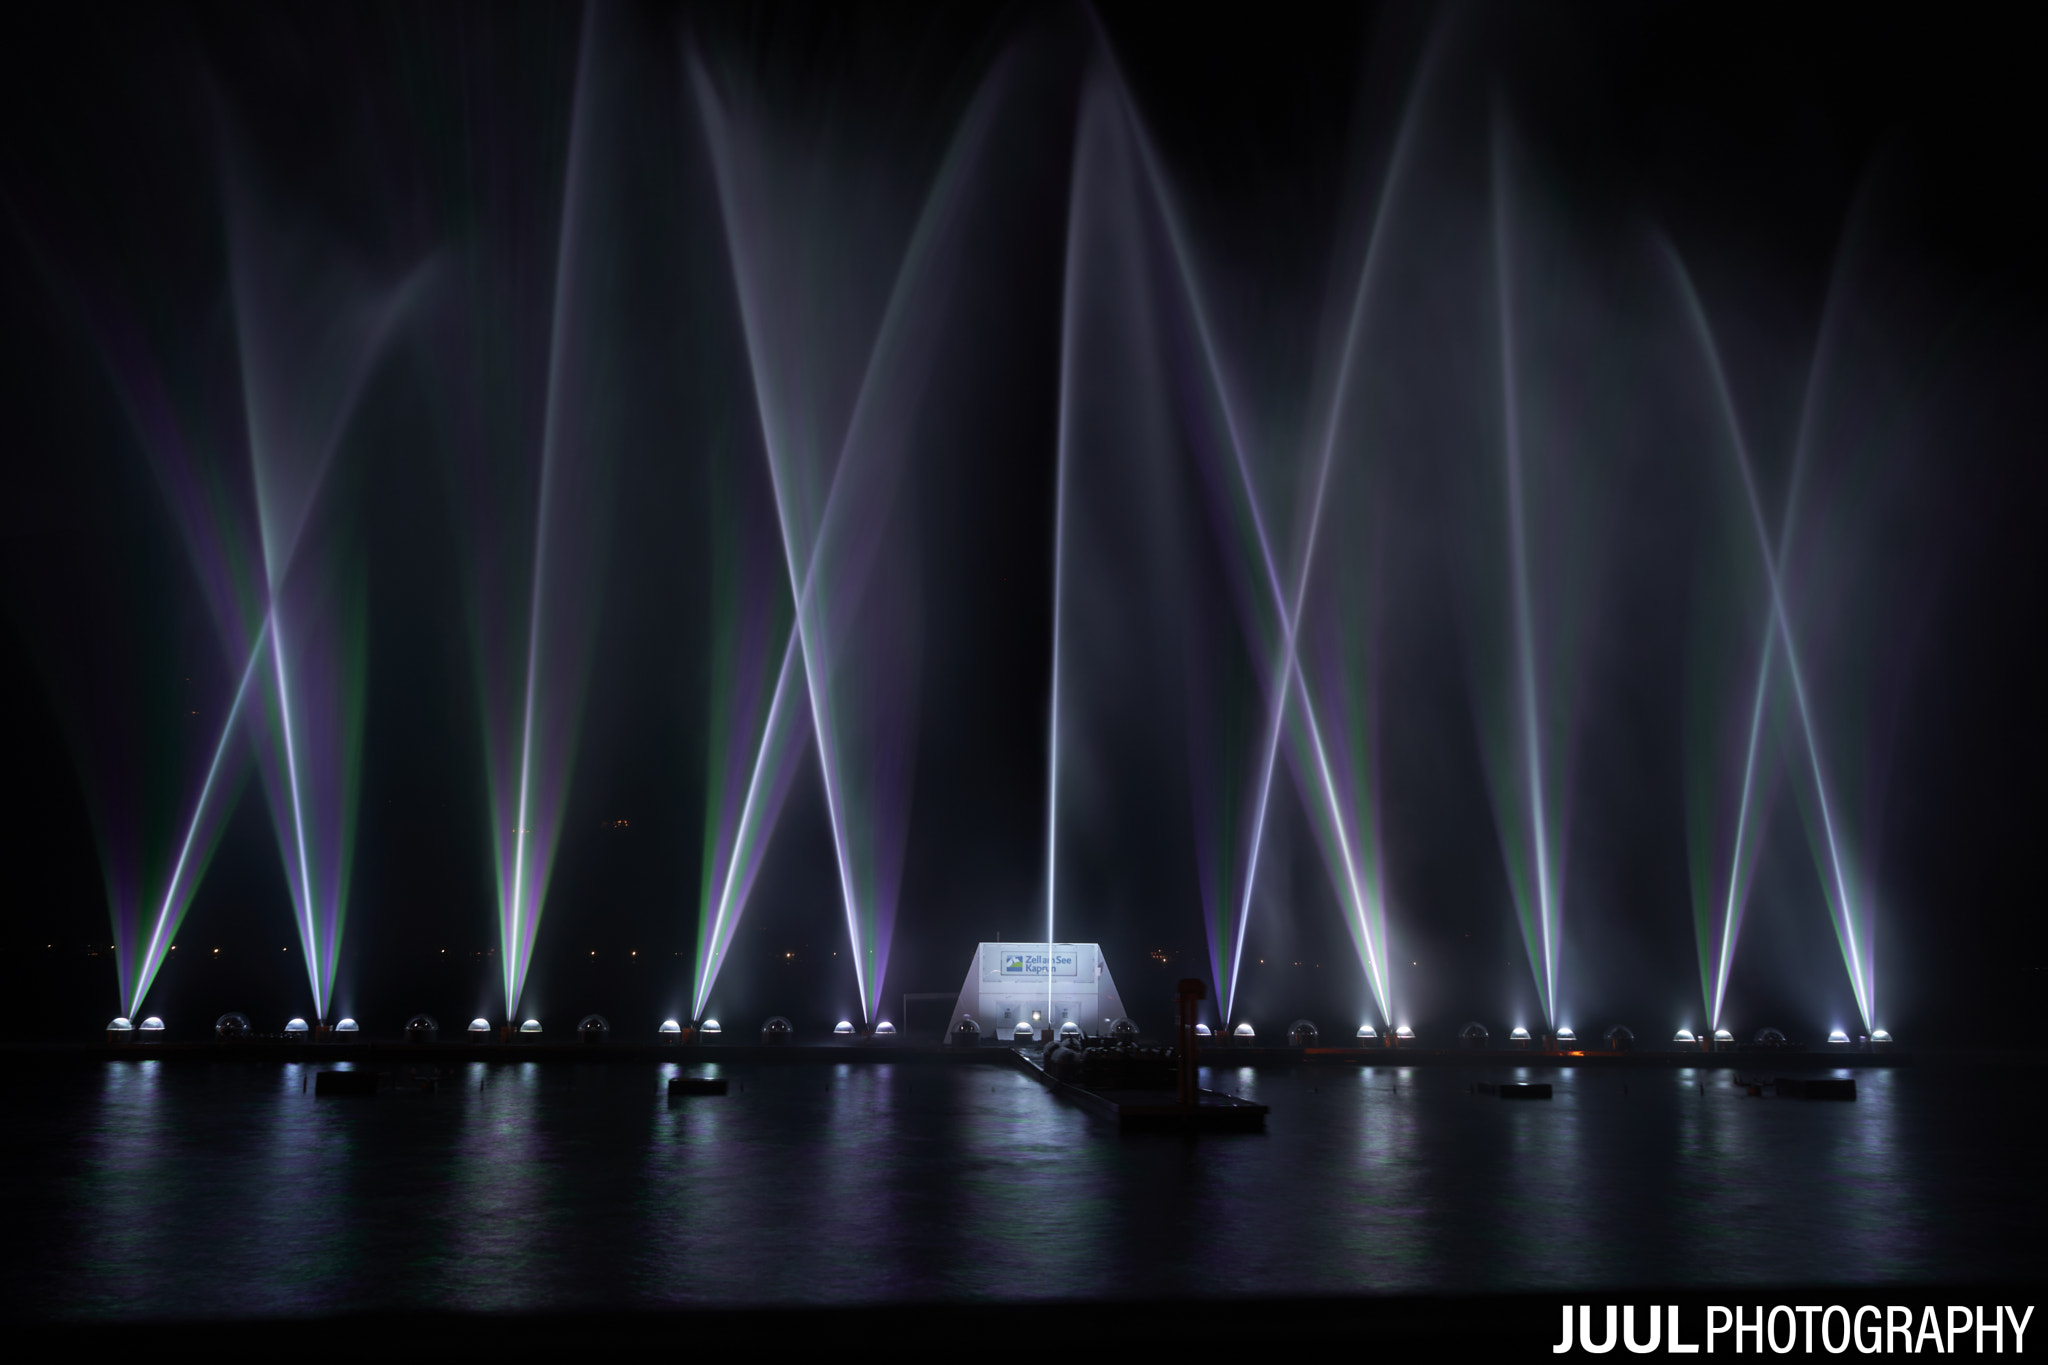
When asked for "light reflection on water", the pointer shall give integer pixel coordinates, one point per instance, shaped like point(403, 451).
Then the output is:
point(153, 1189)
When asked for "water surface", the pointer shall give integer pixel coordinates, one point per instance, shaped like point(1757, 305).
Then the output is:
point(181, 1189)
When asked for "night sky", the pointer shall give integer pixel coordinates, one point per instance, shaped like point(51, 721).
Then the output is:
point(431, 143)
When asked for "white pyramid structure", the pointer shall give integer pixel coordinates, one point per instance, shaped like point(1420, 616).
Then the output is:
point(1039, 984)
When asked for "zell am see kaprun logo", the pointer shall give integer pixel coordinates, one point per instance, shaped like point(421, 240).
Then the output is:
point(1034, 964)
point(1782, 1329)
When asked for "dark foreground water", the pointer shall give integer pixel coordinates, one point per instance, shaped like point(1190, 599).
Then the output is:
point(164, 1190)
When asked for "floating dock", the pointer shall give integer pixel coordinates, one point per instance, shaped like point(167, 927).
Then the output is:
point(1213, 1112)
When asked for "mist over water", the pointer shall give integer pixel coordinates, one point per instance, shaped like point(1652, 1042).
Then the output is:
point(1429, 515)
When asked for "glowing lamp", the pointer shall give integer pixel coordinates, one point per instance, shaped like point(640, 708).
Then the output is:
point(885, 1029)
point(120, 1026)
point(347, 1026)
point(296, 1029)
point(1366, 1031)
point(843, 1029)
point(1880, 1039)
point(709, 1026)
point(1070, 1029)
point(1023, 1030)
point(530, 1026)
point(1684, 1035)
point(1837, 1038)
point(669, 1026)
point(1723, 1038)
point(1204, 1031)
point(1565, 1035)
point(1244, 1031)
point(152, 1025)
point(1404, 1034)
point(478, 1026)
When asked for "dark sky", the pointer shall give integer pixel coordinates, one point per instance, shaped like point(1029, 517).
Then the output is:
point(1765, 150)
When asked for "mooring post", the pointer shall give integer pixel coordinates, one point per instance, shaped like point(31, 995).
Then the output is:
point(1192, 991)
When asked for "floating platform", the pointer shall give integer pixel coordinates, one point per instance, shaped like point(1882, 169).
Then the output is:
point(1522, 1090)
point(1159, 1110)
point(344, 1083)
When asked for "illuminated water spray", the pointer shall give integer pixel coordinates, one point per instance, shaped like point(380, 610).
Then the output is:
point(1338, 787)
point(1528, 832)
point(527, 797)
point(836, 396)
point(1835, 885)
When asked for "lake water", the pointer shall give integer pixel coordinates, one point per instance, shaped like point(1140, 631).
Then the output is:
point(153, 1190)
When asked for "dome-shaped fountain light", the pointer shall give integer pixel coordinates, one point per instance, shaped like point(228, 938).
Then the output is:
point(296, 1028)
point(1070, 1029)
point(1244, 1031)
point(1518, 1036)
point(1124, 1031)
point(1880, 1038)
point(1768, 1037)
point(1837, 1038)
point(777, 1031)
point(422, 1028)
point(1684, 1035)
point(669, 1026)
point(709, 1026)
point(1302, 1033)
point(843, 1029)
point(1404, 1034)
point(479, 1026)
point(347, 1026)
point(1022, 1032)
point(120, 1025)
point(530, 1026)
point(1367, 1032)
point(885, 1029)
point(1723, 1038)
point(1620, 1038)
point(232, 1026)
point(151, 1025)
point(592, 1028)
point(966, 1033)
point(1472, 1035)
point(1203, 1031)
point(1565, 1035)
